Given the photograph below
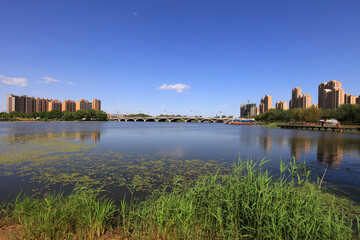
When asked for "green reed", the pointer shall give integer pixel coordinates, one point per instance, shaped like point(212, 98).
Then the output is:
point(80, 215)
point(248, 203)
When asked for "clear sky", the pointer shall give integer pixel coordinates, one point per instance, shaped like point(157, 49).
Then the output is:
point(182, 57)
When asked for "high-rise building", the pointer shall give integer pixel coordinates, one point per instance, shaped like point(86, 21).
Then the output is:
point(96, 104)
point(306, 101)
point(29, 105)
point(265, 104)
point(18, 103)
point(249, 109)
point(83, 105)
point(299, 100)
point(282, 105)
point(68, 105)
point(295, 95)
point(331, 95)
point(10, 103)
point(54, 104)
point(349, 99)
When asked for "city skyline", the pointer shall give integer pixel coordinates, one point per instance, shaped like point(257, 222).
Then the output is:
point(188, 58)
point(27, 104)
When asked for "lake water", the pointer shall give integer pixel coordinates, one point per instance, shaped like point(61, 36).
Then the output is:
point(50, 156)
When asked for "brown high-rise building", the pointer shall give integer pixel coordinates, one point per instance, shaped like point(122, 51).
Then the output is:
point(306, 101)
point(265, 104)
point(45, 103)
point(282, 105)
point(96, 104)
point(83, 105)
point(331, 95)
point(10, 103)
point(299, 100)
point(54, 104)
point(68, 105)
point(349, 99)
point(21, 103)
point(295, 95)
point(38, 104)
point(30, 105)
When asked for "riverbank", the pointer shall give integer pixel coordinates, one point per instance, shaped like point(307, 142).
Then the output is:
point(247, 203)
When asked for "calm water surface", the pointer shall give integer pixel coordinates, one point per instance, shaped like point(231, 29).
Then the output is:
point(41, 156)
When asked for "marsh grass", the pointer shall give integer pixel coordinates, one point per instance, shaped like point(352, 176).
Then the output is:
point(80, 215)
point(248, 203)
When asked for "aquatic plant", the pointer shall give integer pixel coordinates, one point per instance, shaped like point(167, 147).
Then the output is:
point(80, 215)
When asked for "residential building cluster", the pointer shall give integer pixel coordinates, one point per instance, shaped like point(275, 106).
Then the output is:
point(330, 96)
point(29, 105)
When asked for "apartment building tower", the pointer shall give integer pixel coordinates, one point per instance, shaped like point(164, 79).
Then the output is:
point(54, 104)
point(29, 105)
point(68, 105)
point(249, 109)
point(265, 104)
point(349, 99)
point(282, 105)
point(331, 95)
point(96, 104)
point(83, 105)
point(299, 100)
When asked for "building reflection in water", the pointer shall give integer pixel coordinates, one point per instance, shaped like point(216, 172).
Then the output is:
point(299, 146)
point(330, 150)
point(265, 143)
point(80, 136)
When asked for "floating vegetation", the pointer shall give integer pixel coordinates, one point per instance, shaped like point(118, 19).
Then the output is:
point(49, 161)
point(246, 203)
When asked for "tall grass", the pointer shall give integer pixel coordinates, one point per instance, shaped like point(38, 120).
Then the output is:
point(248, 203)
point(80, 215)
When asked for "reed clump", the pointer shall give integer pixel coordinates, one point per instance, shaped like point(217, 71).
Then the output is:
point(80, 215)
point(248, 203)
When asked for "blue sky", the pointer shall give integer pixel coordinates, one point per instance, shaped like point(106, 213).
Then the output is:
point(182, 57)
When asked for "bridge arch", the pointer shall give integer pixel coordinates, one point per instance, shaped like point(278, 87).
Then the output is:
point(177, 120)
point(130, 120)
point(162, 120)
point(150, 120)
point(139, 120)
point(192, 120)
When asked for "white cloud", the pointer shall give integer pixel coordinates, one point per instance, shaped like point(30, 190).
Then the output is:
point(48, 80)
point(135, 13)
point(178, 87)
point(21, 82)
point(72, 83)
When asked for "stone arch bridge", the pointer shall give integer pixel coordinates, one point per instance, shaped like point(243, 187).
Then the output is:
point(173, 119)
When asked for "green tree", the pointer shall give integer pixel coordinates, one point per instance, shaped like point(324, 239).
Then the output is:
point(298, 114)
point(68, 116)
point(79, 115)
point(90, 114)
point(101, 116)
point(312, 114)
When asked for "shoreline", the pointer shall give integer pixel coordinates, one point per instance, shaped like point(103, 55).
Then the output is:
point(193, 212)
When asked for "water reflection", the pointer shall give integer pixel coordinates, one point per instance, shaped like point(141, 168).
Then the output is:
point(80, 136)
point(299, 146)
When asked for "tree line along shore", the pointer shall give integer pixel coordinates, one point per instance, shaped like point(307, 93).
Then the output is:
point(55, 114)
point(347, 113)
